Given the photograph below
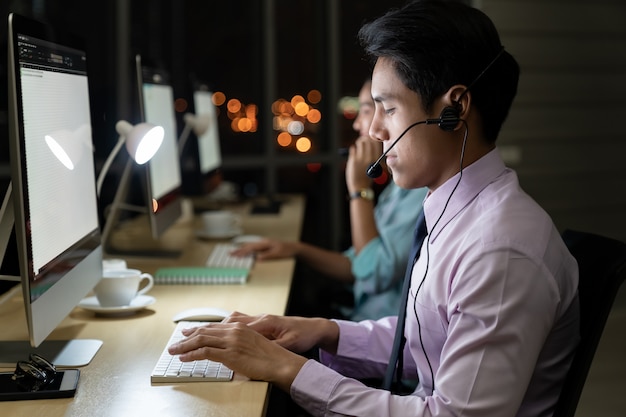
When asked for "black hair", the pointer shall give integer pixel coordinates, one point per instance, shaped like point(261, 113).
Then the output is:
point(435, 44)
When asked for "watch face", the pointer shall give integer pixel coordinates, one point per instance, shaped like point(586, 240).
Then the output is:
point(367, 194)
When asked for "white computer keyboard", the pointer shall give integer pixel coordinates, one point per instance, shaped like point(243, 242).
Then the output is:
point(220, 257)
point(170, 369)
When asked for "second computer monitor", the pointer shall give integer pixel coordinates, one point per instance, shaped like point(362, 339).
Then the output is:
point(164, 182)
point(209, 152)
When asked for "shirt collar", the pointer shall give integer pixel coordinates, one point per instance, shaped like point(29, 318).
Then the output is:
point(474, 179)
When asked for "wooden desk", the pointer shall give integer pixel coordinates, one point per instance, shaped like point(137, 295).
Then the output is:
point(117, 382)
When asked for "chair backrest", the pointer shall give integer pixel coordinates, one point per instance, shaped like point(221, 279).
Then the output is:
point(602, 269)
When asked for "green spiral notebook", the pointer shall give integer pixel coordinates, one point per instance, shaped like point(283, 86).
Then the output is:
point(191, 275)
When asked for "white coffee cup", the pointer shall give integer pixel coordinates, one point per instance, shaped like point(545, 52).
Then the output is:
point(114, 263)
point(221, 222)
point(118, 287)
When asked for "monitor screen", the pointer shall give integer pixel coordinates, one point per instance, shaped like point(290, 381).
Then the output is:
point(52, 173)
point(209, 153)
point(156, 99)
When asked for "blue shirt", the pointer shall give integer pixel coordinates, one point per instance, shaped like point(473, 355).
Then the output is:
point(380, 266)
point(492, 322)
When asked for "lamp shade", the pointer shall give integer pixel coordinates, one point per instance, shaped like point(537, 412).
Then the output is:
point(199, 123)
point(142, 140)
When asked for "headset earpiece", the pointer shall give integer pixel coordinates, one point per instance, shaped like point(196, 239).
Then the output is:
point(449, 118)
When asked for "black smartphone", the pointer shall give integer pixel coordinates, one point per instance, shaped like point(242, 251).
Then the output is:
point(63, 386)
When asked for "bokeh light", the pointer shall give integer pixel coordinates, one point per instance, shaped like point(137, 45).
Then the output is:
point(314, 116)
point(293, 117)
point(284, 139)
point(303, 144)
point(295, 127)
point(314, 96)
point(180, 105)
point(302, 109)
point(219, 98)
point(295, 100)
point(233, 105)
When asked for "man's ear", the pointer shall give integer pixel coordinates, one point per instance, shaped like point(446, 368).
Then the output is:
point(459, 97)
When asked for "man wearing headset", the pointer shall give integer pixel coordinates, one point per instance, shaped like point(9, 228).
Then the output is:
point(492, 310)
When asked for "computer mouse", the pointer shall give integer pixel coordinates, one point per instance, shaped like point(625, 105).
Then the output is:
point(238, 240)
point(201, 314)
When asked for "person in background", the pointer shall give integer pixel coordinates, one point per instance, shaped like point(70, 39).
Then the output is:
point(492, 316)
point(373, 267)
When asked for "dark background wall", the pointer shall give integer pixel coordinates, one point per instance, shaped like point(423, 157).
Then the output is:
point(564, 134)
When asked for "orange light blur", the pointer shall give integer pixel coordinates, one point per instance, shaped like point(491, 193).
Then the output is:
point(180, 105)
point(302, 109)
point(254, 125)
point(284, 108)
point(155, 205)
point(314, 116)
point(251, 111)
point(218, 98)
point(234, 124)
point(314, 96)
point(303, 144)
point(297, 99)
point(244, 124)
point(284, 139)
point(233, 105)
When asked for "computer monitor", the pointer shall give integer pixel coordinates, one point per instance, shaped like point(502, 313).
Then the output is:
point(209, 152)
point(51, 203)
point(163, 173)
point(201, 157)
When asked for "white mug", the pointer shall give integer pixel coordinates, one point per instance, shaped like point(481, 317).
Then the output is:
point(114, 263)
point(221, 222)
point(118, 287)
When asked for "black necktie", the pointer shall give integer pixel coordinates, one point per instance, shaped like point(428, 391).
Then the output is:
point(399, 339)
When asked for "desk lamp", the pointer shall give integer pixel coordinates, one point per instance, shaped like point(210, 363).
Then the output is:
point(199, 125)
point(142, 141)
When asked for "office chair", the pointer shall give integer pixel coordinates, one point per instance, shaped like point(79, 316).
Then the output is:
point(602, 269)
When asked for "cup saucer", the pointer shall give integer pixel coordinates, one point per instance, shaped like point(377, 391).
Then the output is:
point(223, 234)
point(139, 303)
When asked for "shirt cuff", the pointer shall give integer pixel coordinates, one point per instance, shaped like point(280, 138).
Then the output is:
point(313, 386)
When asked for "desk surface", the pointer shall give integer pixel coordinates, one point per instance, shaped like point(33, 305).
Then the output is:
point(117, 381)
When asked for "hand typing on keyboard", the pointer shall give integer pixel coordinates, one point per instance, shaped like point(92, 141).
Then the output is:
point(223, 256)
point(243, 344)
point(268, 249)
point(170, 368)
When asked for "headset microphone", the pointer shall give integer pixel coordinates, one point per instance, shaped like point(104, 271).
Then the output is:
point(448, 119)
point(375, 170)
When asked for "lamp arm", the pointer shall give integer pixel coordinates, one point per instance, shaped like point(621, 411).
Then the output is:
point(183, 138)
point(108, 162)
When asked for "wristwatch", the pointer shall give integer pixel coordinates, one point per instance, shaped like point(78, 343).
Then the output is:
point(365, 194)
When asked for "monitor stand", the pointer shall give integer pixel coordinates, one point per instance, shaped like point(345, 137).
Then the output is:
point(62, 353)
